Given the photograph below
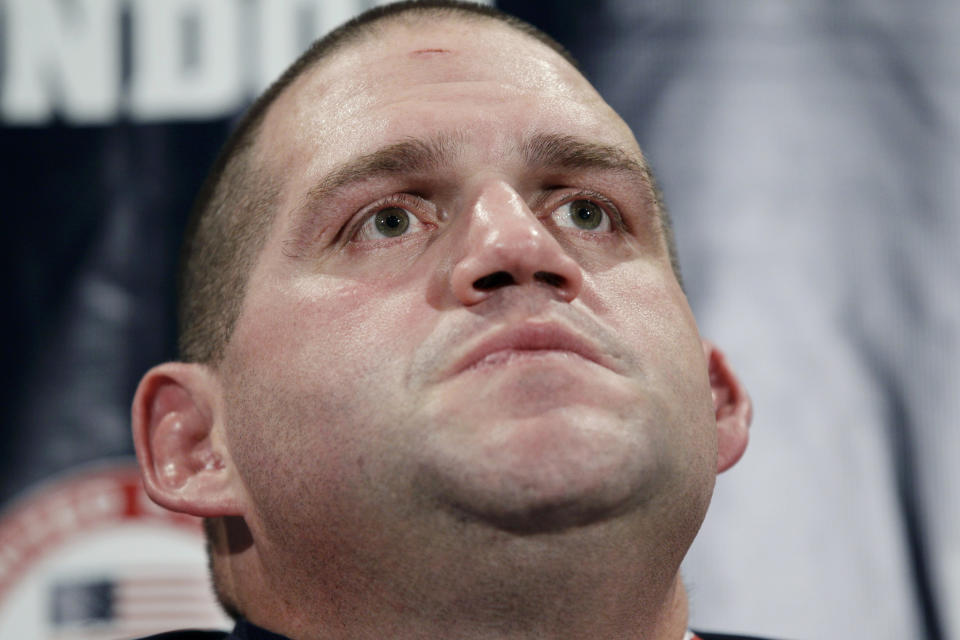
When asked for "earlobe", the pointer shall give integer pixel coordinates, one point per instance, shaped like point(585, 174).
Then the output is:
point(183, 460)
point(732, 408)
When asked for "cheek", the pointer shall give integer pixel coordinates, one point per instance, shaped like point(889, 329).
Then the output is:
point(650, 312)
point(648, 306)
point(321, 352)
point(336, 328)
point(310, 369)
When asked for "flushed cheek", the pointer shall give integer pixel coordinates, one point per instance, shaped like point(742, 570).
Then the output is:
point(649, 311)
point(316, 365)
point(334, 327)
point(642, 301)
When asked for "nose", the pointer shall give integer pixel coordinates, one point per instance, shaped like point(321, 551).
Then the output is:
point(508, 246)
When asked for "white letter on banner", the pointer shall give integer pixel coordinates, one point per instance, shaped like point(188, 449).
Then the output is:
point(186, 59)
point(63, 56)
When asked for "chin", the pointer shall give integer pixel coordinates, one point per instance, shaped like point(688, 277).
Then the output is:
point(562, 469)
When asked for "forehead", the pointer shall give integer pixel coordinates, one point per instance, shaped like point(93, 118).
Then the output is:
point(413, 78)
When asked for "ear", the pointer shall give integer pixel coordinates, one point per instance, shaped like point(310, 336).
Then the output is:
point(731, 406)
point(177, 432)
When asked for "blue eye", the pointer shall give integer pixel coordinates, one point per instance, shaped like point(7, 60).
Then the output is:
point(582, 214)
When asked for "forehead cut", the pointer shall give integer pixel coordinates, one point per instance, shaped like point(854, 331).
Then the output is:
point(452, 40)
point(448, 46)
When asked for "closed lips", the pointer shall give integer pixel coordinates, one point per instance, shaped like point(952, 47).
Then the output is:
point(528, 338)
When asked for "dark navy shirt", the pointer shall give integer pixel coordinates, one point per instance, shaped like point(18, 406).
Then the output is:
point(249, 631)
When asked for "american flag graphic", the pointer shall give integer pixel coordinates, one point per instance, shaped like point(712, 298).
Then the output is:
point(134, 604)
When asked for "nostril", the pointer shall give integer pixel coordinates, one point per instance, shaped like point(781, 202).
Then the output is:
point(494, 281)
point(550, 278)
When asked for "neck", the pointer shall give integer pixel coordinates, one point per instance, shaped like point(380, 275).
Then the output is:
point(560, 585)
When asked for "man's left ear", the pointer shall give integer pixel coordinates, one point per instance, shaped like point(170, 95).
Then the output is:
point(732, 408)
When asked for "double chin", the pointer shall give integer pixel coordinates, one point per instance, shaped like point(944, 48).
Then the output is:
point(567, 468)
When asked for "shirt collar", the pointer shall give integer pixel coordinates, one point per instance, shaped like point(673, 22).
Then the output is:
point(246, 630)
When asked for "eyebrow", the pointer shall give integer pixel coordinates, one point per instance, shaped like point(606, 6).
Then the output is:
point(558, 151)
point(410, 156)
point(544, 151)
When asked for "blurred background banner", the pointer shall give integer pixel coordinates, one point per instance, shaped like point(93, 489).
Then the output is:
point(87, 556)
point(809, 152)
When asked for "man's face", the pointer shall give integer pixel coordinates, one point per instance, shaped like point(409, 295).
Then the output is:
point(465, 304)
